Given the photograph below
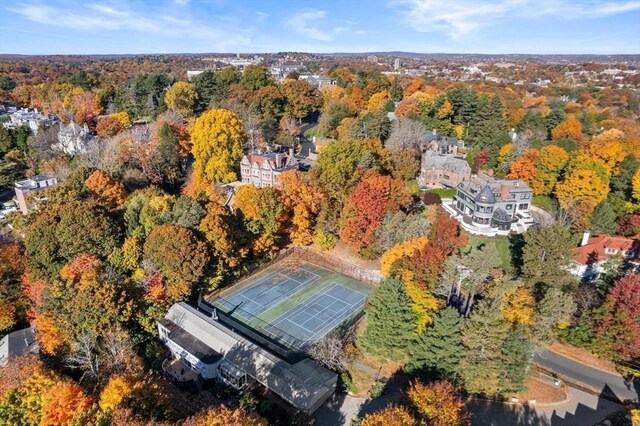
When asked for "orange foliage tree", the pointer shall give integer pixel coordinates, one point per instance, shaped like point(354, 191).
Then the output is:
point(62, 403)
point(225, 416)
point(106, 189)
point(570, 128)
point(303, 200)
point(391, 415)
point(436, 404)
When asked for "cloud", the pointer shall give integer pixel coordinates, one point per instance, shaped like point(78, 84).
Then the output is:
point(317, 25)
point(181, 2)
point(261, 16)
point(109, 18)
point(460, 17)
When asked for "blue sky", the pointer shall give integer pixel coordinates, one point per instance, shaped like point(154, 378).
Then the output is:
point(195, 26)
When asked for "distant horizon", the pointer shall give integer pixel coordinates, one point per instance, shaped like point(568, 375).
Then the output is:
point(385, 52)
point(120, 27)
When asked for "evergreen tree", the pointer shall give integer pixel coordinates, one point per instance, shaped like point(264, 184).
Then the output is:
point(516, 356)
point(547, 254)
point(621, 182)
point(603, 219)
point(391, 323)
point(207, 89)
point(437, 352)
point(395, 91)
point(483, 336)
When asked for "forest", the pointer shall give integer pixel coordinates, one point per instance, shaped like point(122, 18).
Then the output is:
point(139, 222)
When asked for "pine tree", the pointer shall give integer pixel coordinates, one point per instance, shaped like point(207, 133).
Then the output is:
point(483, 336)
point(603, 219)
point(516, 355)
point(437, 352)
point(391, 323)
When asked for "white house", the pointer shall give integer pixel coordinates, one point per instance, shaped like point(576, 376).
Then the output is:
point(593, 252)
point(262, 169)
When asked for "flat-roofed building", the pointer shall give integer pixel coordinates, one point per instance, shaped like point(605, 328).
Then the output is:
point(214, 351)
point(26, 191)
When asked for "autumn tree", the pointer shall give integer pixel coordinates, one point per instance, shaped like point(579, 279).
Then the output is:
point(105, 189)
point(263, 214)
point(617, 328)
point(53, 238)
point(390, 321)
point(391, 415)
point(12, 264)
point(370, 201)
point(62, 403)
point(117, 389)
point(335, 173)
point(113, 124)
point(302, 98)
point(224, 238)
point(217, 139)
point(302, 199)
point(179, 254)
point(182, 97)
point(269, 103)
point(225, 416)
point(571, 128)
point(436, 404)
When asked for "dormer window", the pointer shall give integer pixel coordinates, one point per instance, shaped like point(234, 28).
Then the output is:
point(610, 250)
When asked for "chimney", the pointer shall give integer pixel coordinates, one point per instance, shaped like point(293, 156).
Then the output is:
point(434, 131)
point(278, 161)
point(585, 238)
point(504, 191)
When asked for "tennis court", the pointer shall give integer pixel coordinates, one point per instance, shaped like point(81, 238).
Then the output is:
point(293, 304)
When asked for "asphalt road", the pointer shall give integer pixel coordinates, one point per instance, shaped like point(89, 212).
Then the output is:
point(583, 374)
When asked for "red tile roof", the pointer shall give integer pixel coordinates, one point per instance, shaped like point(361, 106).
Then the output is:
point(595, 249)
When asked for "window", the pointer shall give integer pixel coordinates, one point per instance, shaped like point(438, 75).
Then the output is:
point(610, 251)
point(509, 206)
point(525, 196)
point(524, 206)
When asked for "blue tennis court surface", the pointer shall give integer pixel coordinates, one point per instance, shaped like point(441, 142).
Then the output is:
point(268, 291)
point(295, 305)
point(320, 313)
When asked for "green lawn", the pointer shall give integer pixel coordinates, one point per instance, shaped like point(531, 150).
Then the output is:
point(502, 245)
point(544, 202)
point(444, 192)
point(311, 132)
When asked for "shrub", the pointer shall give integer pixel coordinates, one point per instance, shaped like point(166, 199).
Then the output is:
point(325, 240)
point(377, 389)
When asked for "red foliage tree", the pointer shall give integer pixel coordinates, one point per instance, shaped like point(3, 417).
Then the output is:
point(372, 198)
point(618, 331)
point(629, 226)
point(479, 160)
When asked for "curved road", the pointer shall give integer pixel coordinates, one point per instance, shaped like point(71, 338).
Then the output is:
point(591, 377)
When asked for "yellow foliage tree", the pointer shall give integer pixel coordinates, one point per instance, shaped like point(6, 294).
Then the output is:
point(377, 101)
point(304, 201)
point(424, 304)
point(550, 165)
point(49, 337)
point(445, 110)
point(123, 118)
point(117, 389)
point(217, 139)
point(181, 97)
point(400, 251)
point(582, 190)
point(635, 185)
point(32, 393)
point(519, 306)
